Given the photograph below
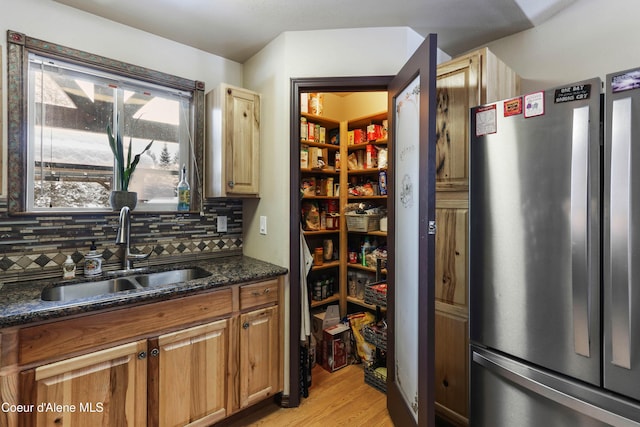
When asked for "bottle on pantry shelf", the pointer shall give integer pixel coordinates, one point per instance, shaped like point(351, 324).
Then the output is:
point(68, 268)
point(184, 191)
point(92, 261)
point(327, 245)
point(366, 248)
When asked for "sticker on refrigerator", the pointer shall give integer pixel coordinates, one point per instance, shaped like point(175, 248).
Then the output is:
point(534, 104)
point(572, 93)
point(513, 107)
point(627, 81)
point(486, 120)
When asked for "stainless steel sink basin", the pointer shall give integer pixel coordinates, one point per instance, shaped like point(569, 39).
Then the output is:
point(105, 287)
point(87, 289)
point(169, 277)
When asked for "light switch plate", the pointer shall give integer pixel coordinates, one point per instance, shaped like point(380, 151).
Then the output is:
point(263, 224)
point(222, 224)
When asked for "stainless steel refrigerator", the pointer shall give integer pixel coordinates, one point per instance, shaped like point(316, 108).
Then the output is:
point(554, 235)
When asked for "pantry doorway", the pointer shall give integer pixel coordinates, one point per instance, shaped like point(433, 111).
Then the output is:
point(410, 236)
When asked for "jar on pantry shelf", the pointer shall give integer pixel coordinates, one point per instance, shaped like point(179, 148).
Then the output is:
point(318, 255)
point(328, 249)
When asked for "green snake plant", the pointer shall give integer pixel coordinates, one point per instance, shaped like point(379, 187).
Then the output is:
point(125, 171)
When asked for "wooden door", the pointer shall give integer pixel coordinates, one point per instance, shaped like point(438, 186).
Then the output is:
point(259, 355)
point(190, 378)
point(410, 363)
point(242, 110)
point(104, 388)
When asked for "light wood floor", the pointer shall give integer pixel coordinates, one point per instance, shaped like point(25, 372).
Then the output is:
point(340, 398)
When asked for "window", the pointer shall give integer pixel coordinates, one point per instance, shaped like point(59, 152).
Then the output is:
point(58, 129)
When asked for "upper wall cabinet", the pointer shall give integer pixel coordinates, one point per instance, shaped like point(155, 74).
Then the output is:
point(232, 148)
point(476, 78)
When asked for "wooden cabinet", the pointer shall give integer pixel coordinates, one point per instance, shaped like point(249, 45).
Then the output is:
point(464, 82)
point(259, 352)
point(105, 388)
point(258, 355)
point(451, 370)
point(232, 149)
point(473, 79)
point(190, 368)
point(195, 359)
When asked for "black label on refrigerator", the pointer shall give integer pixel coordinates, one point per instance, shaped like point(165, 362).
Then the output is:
point(572, 93)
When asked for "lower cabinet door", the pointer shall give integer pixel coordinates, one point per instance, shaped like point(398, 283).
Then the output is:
point(104, 388)
point(189, 382)
point(259, 355)
point(451, 370)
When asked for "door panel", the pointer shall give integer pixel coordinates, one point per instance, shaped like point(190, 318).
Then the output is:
point(410, 385)
point(621, 257)
point(451, 361)
point(258, 355)
point(534, 234)
point(97, 389)
point(192, 374)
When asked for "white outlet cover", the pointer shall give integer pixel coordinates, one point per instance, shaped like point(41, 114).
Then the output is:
point(263, 224)
point(222, 224)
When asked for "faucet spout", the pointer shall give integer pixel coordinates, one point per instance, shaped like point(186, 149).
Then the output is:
point(123, 237)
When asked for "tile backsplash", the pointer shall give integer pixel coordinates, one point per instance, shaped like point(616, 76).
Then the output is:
point(35, 246)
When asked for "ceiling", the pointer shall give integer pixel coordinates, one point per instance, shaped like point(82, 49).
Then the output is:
point(237, 29)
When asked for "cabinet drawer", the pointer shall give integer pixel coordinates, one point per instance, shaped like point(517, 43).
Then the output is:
point(258, 294)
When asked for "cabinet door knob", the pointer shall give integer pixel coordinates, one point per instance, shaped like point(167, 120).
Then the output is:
point(231, 184)
point(245, 325)
point(155, 352)
point(267, 290)
point(142, 355)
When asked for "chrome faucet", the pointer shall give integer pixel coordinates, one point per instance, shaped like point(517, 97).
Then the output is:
point(123, 237)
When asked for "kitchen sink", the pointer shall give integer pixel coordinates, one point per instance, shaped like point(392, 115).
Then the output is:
point(105, 287)
point(169, 277)
point(87, 289)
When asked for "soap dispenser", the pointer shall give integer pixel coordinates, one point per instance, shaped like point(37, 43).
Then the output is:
point(92, 262)
point(69, 268)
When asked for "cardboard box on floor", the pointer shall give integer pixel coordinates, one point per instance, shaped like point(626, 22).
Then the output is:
point(320, 322)
point(335, 347)
point(323, 320)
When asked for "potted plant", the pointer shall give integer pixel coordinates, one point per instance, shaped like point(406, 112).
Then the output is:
point(121, 196)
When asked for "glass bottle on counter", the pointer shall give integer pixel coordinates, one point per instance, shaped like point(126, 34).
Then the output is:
point(184, 191)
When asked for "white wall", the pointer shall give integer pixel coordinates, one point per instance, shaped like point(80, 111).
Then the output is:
point(590, 38)
point(57, 23)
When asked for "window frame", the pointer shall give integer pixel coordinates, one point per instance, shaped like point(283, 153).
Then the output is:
point(19, 46)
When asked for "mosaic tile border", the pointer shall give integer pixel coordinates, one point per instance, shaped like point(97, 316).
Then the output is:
point(37, 245)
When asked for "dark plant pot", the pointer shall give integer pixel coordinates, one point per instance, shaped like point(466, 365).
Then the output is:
point(119, 199)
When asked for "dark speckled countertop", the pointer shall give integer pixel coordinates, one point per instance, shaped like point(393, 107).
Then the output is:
point(20, 304)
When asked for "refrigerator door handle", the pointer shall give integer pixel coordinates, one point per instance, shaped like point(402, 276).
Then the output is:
point(581, 279)
point(620, 256)
point(555, 389)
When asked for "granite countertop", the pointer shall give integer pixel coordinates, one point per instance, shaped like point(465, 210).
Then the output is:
point(20, 304)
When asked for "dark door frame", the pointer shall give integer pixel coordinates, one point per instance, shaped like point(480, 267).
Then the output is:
point(299, 86)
